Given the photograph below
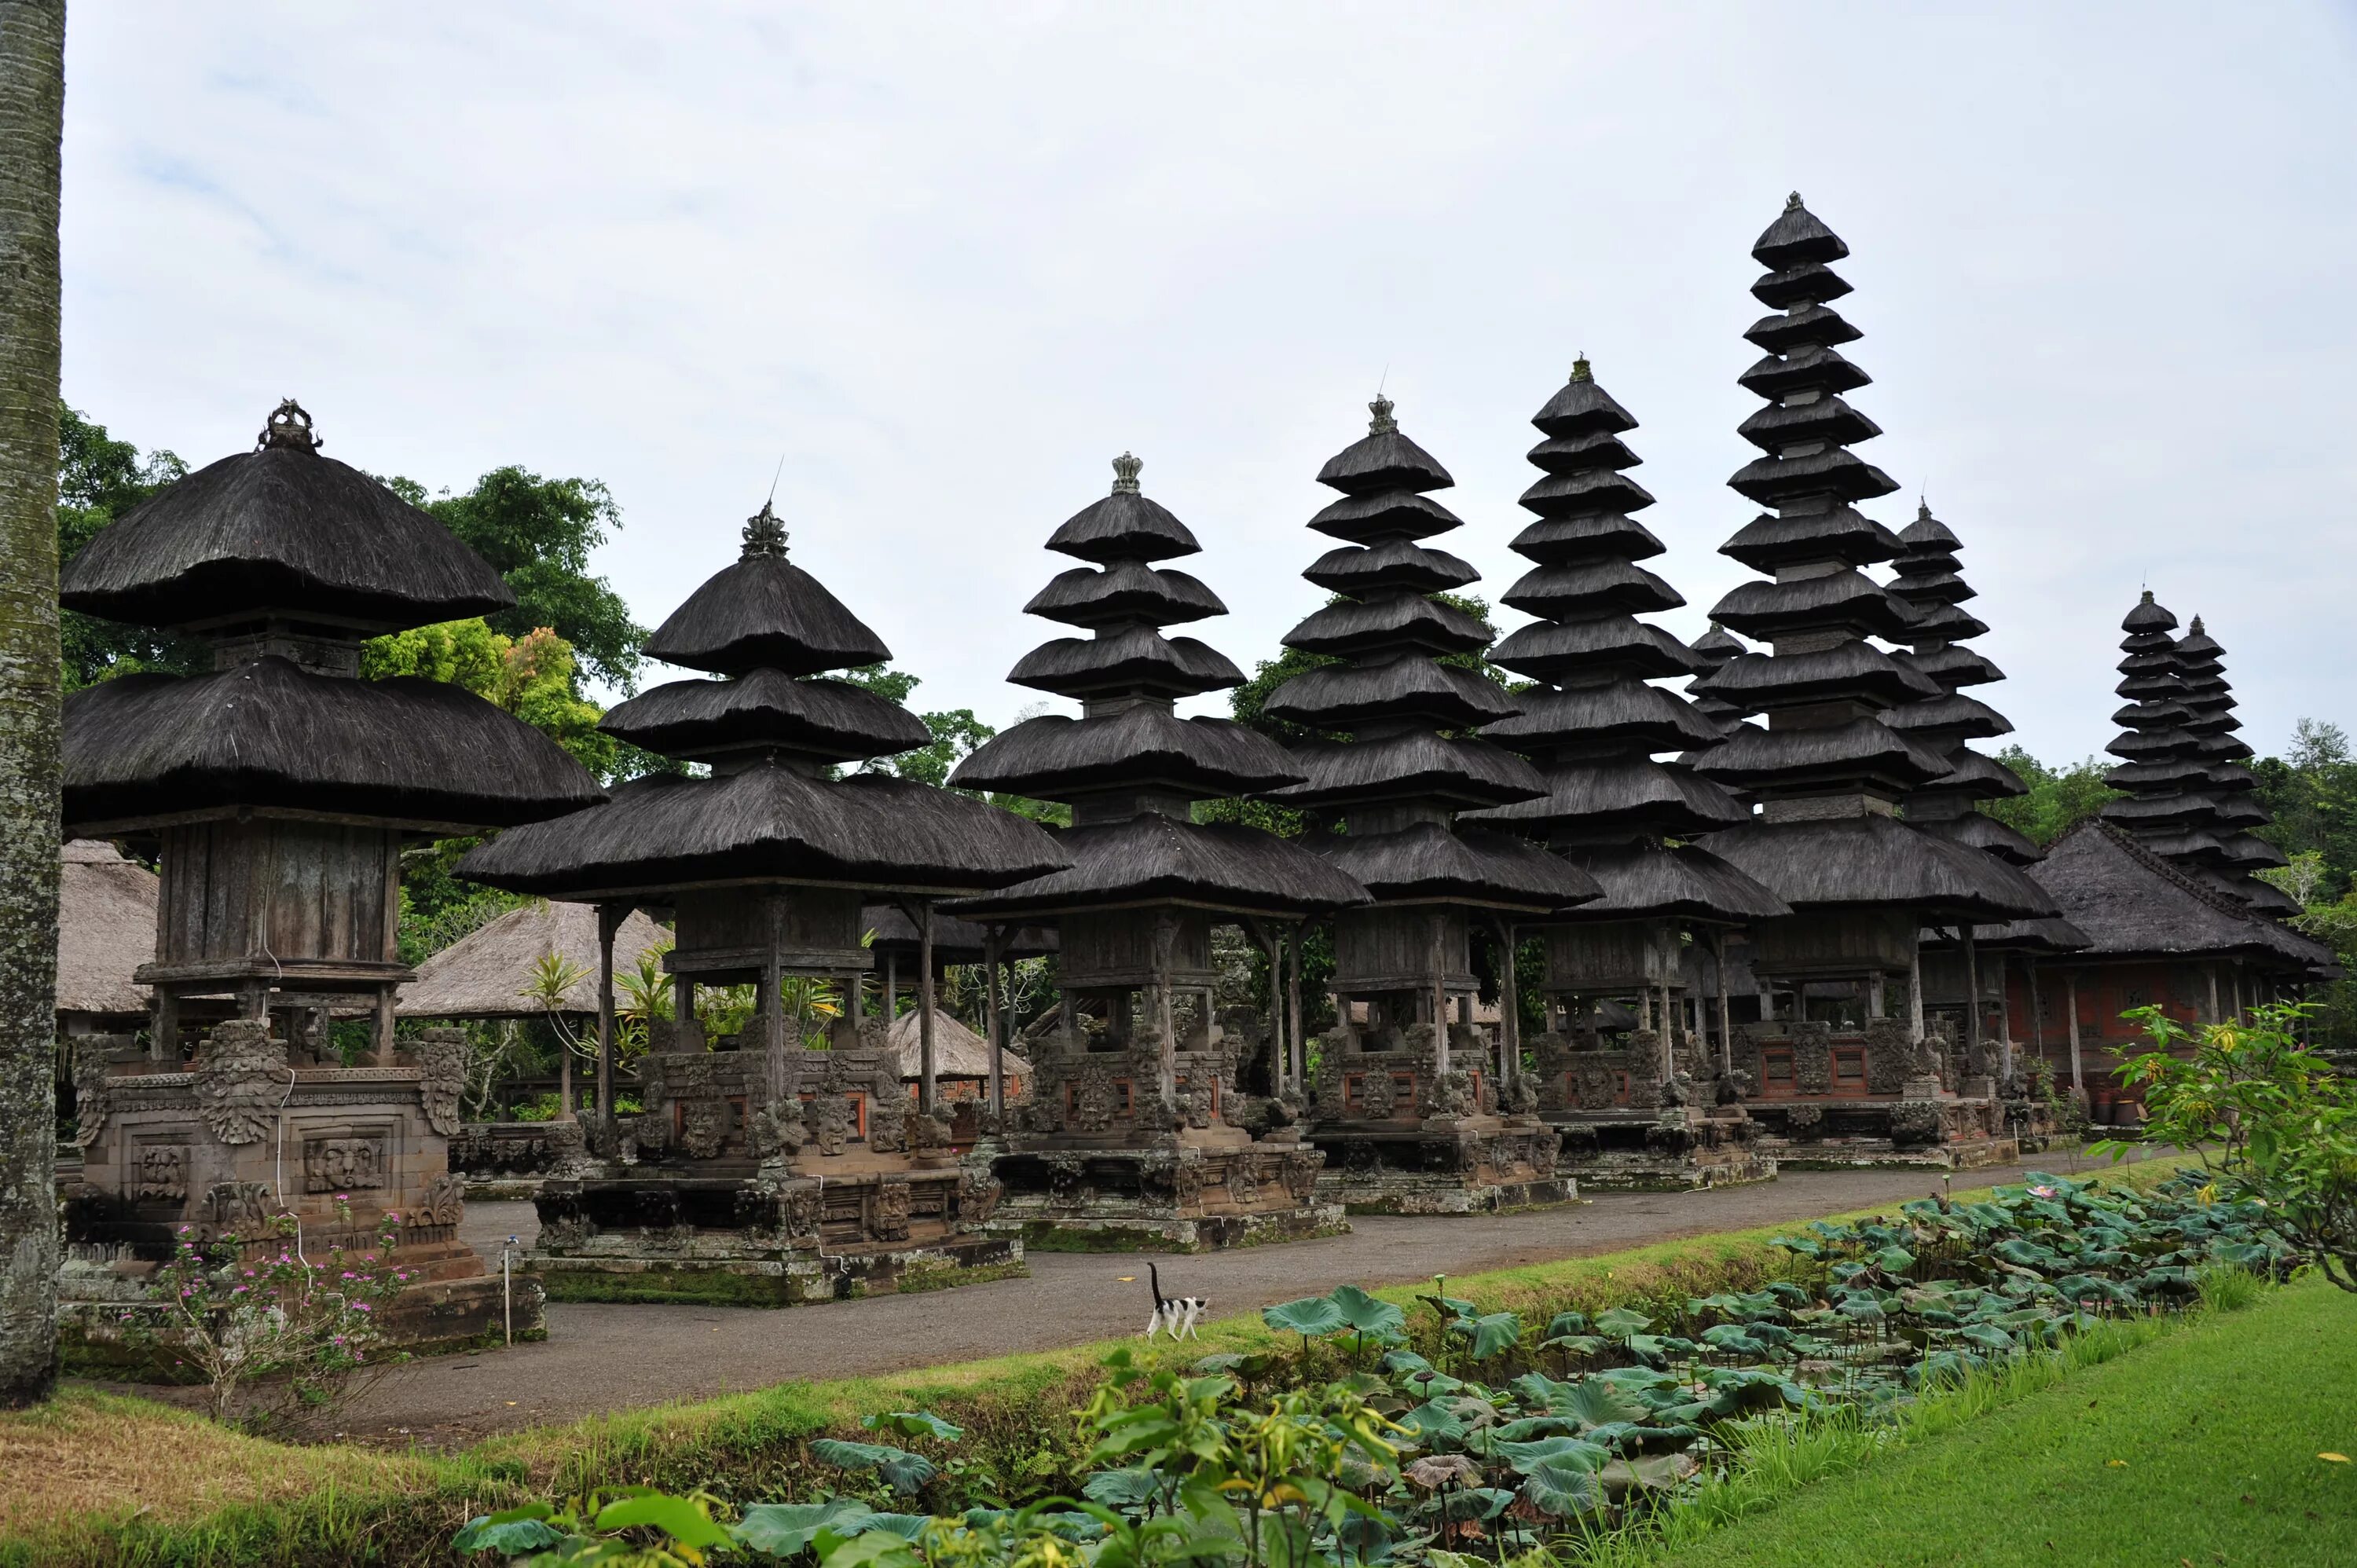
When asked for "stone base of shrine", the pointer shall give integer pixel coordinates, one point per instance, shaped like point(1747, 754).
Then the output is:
point(1483, 1164)
point(731, 1271)
point(1199, 1189)
point(1651, 1154)
point(1859, 1154)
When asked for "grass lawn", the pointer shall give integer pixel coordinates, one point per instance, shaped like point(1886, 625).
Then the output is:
point(2200, 1447)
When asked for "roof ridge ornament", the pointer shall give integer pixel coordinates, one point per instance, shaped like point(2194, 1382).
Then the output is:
point(2196, 627)
point(1125, 474)
point(288, 425)
point(1383, 424)
point(765, 535)
point(1579, 371)
point(1793, 202)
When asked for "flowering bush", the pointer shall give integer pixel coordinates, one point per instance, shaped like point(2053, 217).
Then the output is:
point(243, 1311)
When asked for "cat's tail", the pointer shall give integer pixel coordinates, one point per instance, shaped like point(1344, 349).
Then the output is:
point(1154, 1276)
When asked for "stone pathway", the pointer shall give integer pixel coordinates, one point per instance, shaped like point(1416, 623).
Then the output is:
point(601, 1359)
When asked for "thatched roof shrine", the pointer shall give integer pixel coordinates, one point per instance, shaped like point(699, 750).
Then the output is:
point(106, 929)
point(2132, 903)
point(1713, 649)
point(484, 974)
point(1595, 724)
point(958, 1051)
point(1828, 772)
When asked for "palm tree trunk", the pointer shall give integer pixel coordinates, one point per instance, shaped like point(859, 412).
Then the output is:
point(32, 123)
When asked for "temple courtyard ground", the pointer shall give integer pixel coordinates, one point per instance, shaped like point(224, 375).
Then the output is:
point(601, 1359)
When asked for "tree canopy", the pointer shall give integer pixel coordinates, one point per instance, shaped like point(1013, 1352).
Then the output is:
point(99, 479)
point(2058, 798)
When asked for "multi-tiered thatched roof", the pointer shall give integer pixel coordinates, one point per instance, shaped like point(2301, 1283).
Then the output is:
point(2208, 703)
point(1826, 769)
point(1128, 766)
point(1594, 721)
point(771, 731)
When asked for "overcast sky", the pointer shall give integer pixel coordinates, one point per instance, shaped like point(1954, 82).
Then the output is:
point(945, 261)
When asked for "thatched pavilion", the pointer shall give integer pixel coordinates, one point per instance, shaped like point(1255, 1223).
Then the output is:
point(1141, 1124)
point(106, 929)
point(799, 1172)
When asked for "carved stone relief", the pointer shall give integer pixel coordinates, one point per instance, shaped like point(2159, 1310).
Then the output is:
point(442, 1060)
point(343, 1163)
point(240, 1079)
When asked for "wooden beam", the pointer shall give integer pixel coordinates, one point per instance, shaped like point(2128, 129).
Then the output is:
point(610, 920)
point(2070, 1004)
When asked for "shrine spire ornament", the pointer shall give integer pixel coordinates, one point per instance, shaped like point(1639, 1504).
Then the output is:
point(764, 534)
point(288, 425)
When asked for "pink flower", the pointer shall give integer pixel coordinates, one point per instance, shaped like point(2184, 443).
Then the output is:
point(2042, 1192)
point(360, 1306)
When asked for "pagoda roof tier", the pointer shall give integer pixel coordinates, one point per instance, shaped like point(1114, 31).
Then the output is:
point(280, 533)
point(1577, 451)
point(1835, 533)
point(2134, 812)
point(1597, 536)
point(1058, 757)
point(1862, 753)
point(2148, 618)
point(1124, 526)
point(1809, 282)
point(1953, 716)
point(1869, 861)
point(1827, 418)
point(2055, 935)
point(767, 822)
point(1975, 831)
point(2137, 745)
point(1938, 622)
point(2166, 773)
point(2151, 686)
point(1571, 492)
point(2239, 809)
point(765, 612)
point(270, 735)
point(1631, 795)
point(2248, 850)
point(2131, 903)
point(1122, 592)
point(1715, 648)
point(1134, 659)
point(2182, 842)
point(1383, 460)
point(1342, 696)
point(1758, 683)
point(1427, 862)
point(1580, 407)
point(2230, 776)
point(1150, 859)
point(1349, 628)
point(2160, 711)
point(2264, 898)
point(828, 721)
point(1652, 881)
point(1394, 564)
point(1955, 665)
point(1790, 329)
point(1583, 589)
point(1980, 778)
point(1804, 367)
point(1797, 237)
point(1388, 514)
point(1927, 580)
point(1928, 537)
point(1547, 650)
point(1834, 471)
point(1844, 600)
point(1623, 714)
point(1411, 765)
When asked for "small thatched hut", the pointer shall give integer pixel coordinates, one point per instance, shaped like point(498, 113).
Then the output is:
point(106, 929)
point(486, 973)
point(961, 1058)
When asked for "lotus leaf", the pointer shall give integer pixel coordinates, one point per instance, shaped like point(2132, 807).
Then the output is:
point(1621, 1322)
point(1490, 1333)
point(1309, 1316)
point(1366, 1314)
point(914, 1423)
point(905, 1472)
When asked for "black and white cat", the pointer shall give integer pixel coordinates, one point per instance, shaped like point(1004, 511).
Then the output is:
point(1178, 1314)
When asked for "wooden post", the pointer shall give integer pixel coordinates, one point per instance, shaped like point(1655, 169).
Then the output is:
point(164, 1028)
point(2071, 1001)
point(891, 986)
point(1268, 938)
point(1294, 1043)
point(1439, 996)
point(1915, 996)
point(682, 998)
point(2004, 1019)
point(1972, 992)
point(383, 1053)
point(1510, 1006)
point(1165, 1052)
point(990, 942)
point(610, 920)
point(773, 1033)
point(2037, 1011)
point(920, 915)
point(1718, 985)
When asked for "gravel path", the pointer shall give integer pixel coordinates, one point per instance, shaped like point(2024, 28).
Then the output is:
point(601, 1359)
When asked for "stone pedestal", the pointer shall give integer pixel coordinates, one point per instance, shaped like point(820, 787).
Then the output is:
point(1624, 1129)
point(1827, 1101)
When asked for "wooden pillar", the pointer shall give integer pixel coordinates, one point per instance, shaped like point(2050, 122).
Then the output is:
point(1166, 1051)
point(383, 1051)
point(2238, 991)
point(682, 998)
point(992, 941)
point(1972, 991)
point(1439, 995)
point(2037, 1011)
point(891, 986)
point(1915, 996)
point(2070, 1005)
point(773, 998)
point(2210, 970)
point(2004, 1018)
point(1718, 985)
point(1295, 1042)
point(164, 1028)
point(920, 915)
point(610, 920)
point(1267, 937)
point(1509, 1006)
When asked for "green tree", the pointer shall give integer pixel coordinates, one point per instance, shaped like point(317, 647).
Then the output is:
point(32, 126)
point(956, 733)
point(2311, 793)
point(2059, 798)
point(99, 479)
point(537, 534)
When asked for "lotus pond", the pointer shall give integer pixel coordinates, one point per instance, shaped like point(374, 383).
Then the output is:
point(1438, 1432)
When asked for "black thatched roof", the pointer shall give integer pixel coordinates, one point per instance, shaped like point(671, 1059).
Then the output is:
point(1124, 591)
point(1426, 862)
point(1588, 536)
point(284, 532)
point(1391, 564)
point(1337, 696)
point(1383, 459)
point(1133, 658)
point(1854, 671)
point(1837, 532)
point(269, 734)
point(2131, 903)
point(1622, 715)
point(1974, 831)
point(1055, 758)
point(765, 612)
point(1869, 860)
point(1151, 859)
point(1845, 601)
point(1355, 629)
point(830, 721)
point(1384, 515)
point(1546, 650)
point(1634, 795)
point(1410, 765)
point(1648, 880)
point(955, 940)
point(2049, 937)
point(664, 831)
point(1577, 590)
point(1124, 525)
point(1860, 754)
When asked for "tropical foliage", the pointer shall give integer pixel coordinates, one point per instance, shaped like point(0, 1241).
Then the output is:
point(1445, 1432)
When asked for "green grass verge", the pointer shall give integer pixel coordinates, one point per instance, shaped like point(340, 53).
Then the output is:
point(2143, 1443)
point(246, 1500)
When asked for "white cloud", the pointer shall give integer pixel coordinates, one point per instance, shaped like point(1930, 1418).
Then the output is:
point(947, 260)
